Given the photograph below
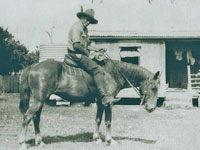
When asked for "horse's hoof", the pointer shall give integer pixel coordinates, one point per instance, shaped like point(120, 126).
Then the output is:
point(38, 140)
point(23, 146)
point(98, 141)
point(95, 136)
point(108, 142)
point(42, 144)
point(111, 142)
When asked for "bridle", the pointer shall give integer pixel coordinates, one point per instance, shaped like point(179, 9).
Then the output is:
point(142, 96)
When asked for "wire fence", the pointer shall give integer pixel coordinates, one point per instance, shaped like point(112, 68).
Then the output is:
point(9, 83)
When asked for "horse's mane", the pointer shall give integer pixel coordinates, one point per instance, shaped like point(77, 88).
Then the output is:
point(131, 71)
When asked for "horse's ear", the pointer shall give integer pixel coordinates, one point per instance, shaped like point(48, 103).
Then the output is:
point(157, 75)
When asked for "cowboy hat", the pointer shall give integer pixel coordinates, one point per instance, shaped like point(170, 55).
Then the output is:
point(89, 13)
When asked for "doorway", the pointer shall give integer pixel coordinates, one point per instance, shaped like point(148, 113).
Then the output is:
point(179, 54)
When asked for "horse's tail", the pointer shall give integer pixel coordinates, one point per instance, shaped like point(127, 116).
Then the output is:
point(24, 91)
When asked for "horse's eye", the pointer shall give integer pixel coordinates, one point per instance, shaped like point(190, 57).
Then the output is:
point(153, 87)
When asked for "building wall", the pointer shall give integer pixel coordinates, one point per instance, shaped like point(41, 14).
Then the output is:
point(52, 51)
point(152, 55)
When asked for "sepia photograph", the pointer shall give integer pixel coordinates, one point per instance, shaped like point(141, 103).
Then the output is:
point(99, 75)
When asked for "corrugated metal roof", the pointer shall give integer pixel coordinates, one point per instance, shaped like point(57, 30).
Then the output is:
point(95, 34)
point(52, 51)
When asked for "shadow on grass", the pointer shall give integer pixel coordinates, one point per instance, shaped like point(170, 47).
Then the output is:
point(84, 137)
point(3, 98)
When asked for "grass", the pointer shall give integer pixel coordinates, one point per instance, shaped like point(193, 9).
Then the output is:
point(132, 127)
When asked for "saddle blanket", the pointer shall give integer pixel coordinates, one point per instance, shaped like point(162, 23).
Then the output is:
point(73, 70)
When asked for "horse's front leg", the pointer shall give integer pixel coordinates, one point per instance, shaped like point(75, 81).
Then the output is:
point(100, 109)
point(108, 119)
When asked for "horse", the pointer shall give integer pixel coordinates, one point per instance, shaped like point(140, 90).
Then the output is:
point(39, 81)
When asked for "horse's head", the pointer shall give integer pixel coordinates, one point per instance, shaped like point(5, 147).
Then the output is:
point(149, 92)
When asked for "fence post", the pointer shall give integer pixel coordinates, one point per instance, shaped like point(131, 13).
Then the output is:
point(1, 84)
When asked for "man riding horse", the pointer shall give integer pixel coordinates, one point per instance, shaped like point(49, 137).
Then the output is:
point(79, 49)
point(48, 77)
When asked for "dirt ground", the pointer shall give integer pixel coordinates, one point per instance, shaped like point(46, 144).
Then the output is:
point(70, 128)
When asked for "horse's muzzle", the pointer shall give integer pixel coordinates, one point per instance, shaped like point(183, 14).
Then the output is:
point(150, 108)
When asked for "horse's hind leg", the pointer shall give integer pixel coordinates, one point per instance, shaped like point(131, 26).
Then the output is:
point(36, 121)
point(28, 116)
point(100, 110)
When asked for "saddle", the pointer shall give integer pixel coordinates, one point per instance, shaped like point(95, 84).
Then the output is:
point(99, 59)
point(73, 68)
point(69, 61)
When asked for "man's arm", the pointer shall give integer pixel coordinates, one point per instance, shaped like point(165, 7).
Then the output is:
point(81, 48)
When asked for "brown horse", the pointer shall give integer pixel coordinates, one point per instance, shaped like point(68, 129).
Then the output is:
point(41, 80)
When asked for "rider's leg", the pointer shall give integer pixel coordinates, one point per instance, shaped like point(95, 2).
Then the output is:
point(105, 84)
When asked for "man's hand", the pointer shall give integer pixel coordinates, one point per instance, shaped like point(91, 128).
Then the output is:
point(102, 50)
point(92, 48)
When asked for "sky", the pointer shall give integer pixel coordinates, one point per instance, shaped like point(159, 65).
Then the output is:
point(28, 20)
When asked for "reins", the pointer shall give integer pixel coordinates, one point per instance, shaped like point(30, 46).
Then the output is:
point(131, 85)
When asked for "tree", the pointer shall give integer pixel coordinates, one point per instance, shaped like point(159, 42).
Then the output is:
point(14, 56)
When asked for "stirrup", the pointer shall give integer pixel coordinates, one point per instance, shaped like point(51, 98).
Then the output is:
point(109, 100)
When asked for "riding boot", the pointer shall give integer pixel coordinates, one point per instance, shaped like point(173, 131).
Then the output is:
point(105, 90)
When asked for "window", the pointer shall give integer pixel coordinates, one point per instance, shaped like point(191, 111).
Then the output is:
point(130, 55)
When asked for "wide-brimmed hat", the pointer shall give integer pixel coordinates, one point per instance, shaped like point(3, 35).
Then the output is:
point(89, 13)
